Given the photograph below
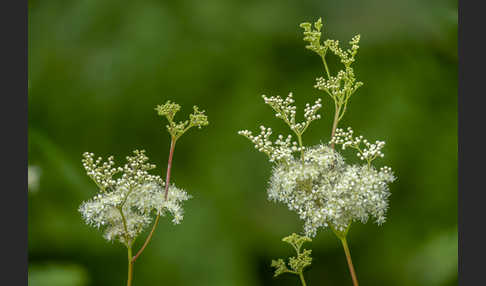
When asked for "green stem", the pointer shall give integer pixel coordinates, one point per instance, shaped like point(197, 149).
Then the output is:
point(301, 275)
point(325, 66)
point(350, 261)
point(335, 123)
point(128, 243)
point(124, 221)
point(130, 267)
point(299, 138)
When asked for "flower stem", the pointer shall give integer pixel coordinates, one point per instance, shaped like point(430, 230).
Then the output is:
point(130, 266)
point(299, 137)
point(167, 182)
point(128, 243)
point(301, 275)
point(325, 66)
point(350, 261)
point(335, 123)
point(169, 166)
point(149, 237)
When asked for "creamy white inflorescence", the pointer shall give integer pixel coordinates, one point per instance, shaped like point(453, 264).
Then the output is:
point(324, 190)
point(319, 185)
point(125, 205)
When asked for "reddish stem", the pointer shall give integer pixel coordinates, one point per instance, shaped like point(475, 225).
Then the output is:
point(167, 181)
point(169, 167)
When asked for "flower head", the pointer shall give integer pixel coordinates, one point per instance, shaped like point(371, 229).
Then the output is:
point(128, 197)
point(320, 185)
point(325, 191)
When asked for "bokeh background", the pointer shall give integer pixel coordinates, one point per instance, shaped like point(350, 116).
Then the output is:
point(98, 68)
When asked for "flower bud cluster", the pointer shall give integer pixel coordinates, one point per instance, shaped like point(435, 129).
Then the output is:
point(169, 109)
point(285, 110)
point(176, 129)
point(296, 264)
point(344, 84)
point(125, 204)
point(310, 112)
point(313, 36)
point(370, 151)
point(102, 175)
point(197, 118)
point(340, 87)
point(280, 150)
point(346, 56)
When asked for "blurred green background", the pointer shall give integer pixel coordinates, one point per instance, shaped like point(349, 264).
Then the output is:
point(98, 68)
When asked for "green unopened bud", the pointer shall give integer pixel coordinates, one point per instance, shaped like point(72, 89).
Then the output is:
point(176, 129)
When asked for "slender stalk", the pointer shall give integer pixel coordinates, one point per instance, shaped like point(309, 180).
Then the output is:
point(149, 237)
point(169, 166)
point(130, 267)
point(301, 275)
point(128, 243)
point(325, 66)
point(350, 261)
point(167, 182)
point(299, 138)
point(335, 123)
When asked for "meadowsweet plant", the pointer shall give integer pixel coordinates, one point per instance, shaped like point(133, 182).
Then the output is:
point(316, 181)
point(129, 196)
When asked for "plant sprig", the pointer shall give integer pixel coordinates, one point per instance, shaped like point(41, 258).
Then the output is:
point(130, 196)
point(320, 186)
point(296, 264)
point(176, 129)
point(341, 86)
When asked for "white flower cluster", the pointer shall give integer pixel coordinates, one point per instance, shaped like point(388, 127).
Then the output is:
point(324, 190)
point(371, 150)
point(286, 111)
point(281, 150)
point(340, 87)
point(319, 185)
point(346, 57)
point(125, 205)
